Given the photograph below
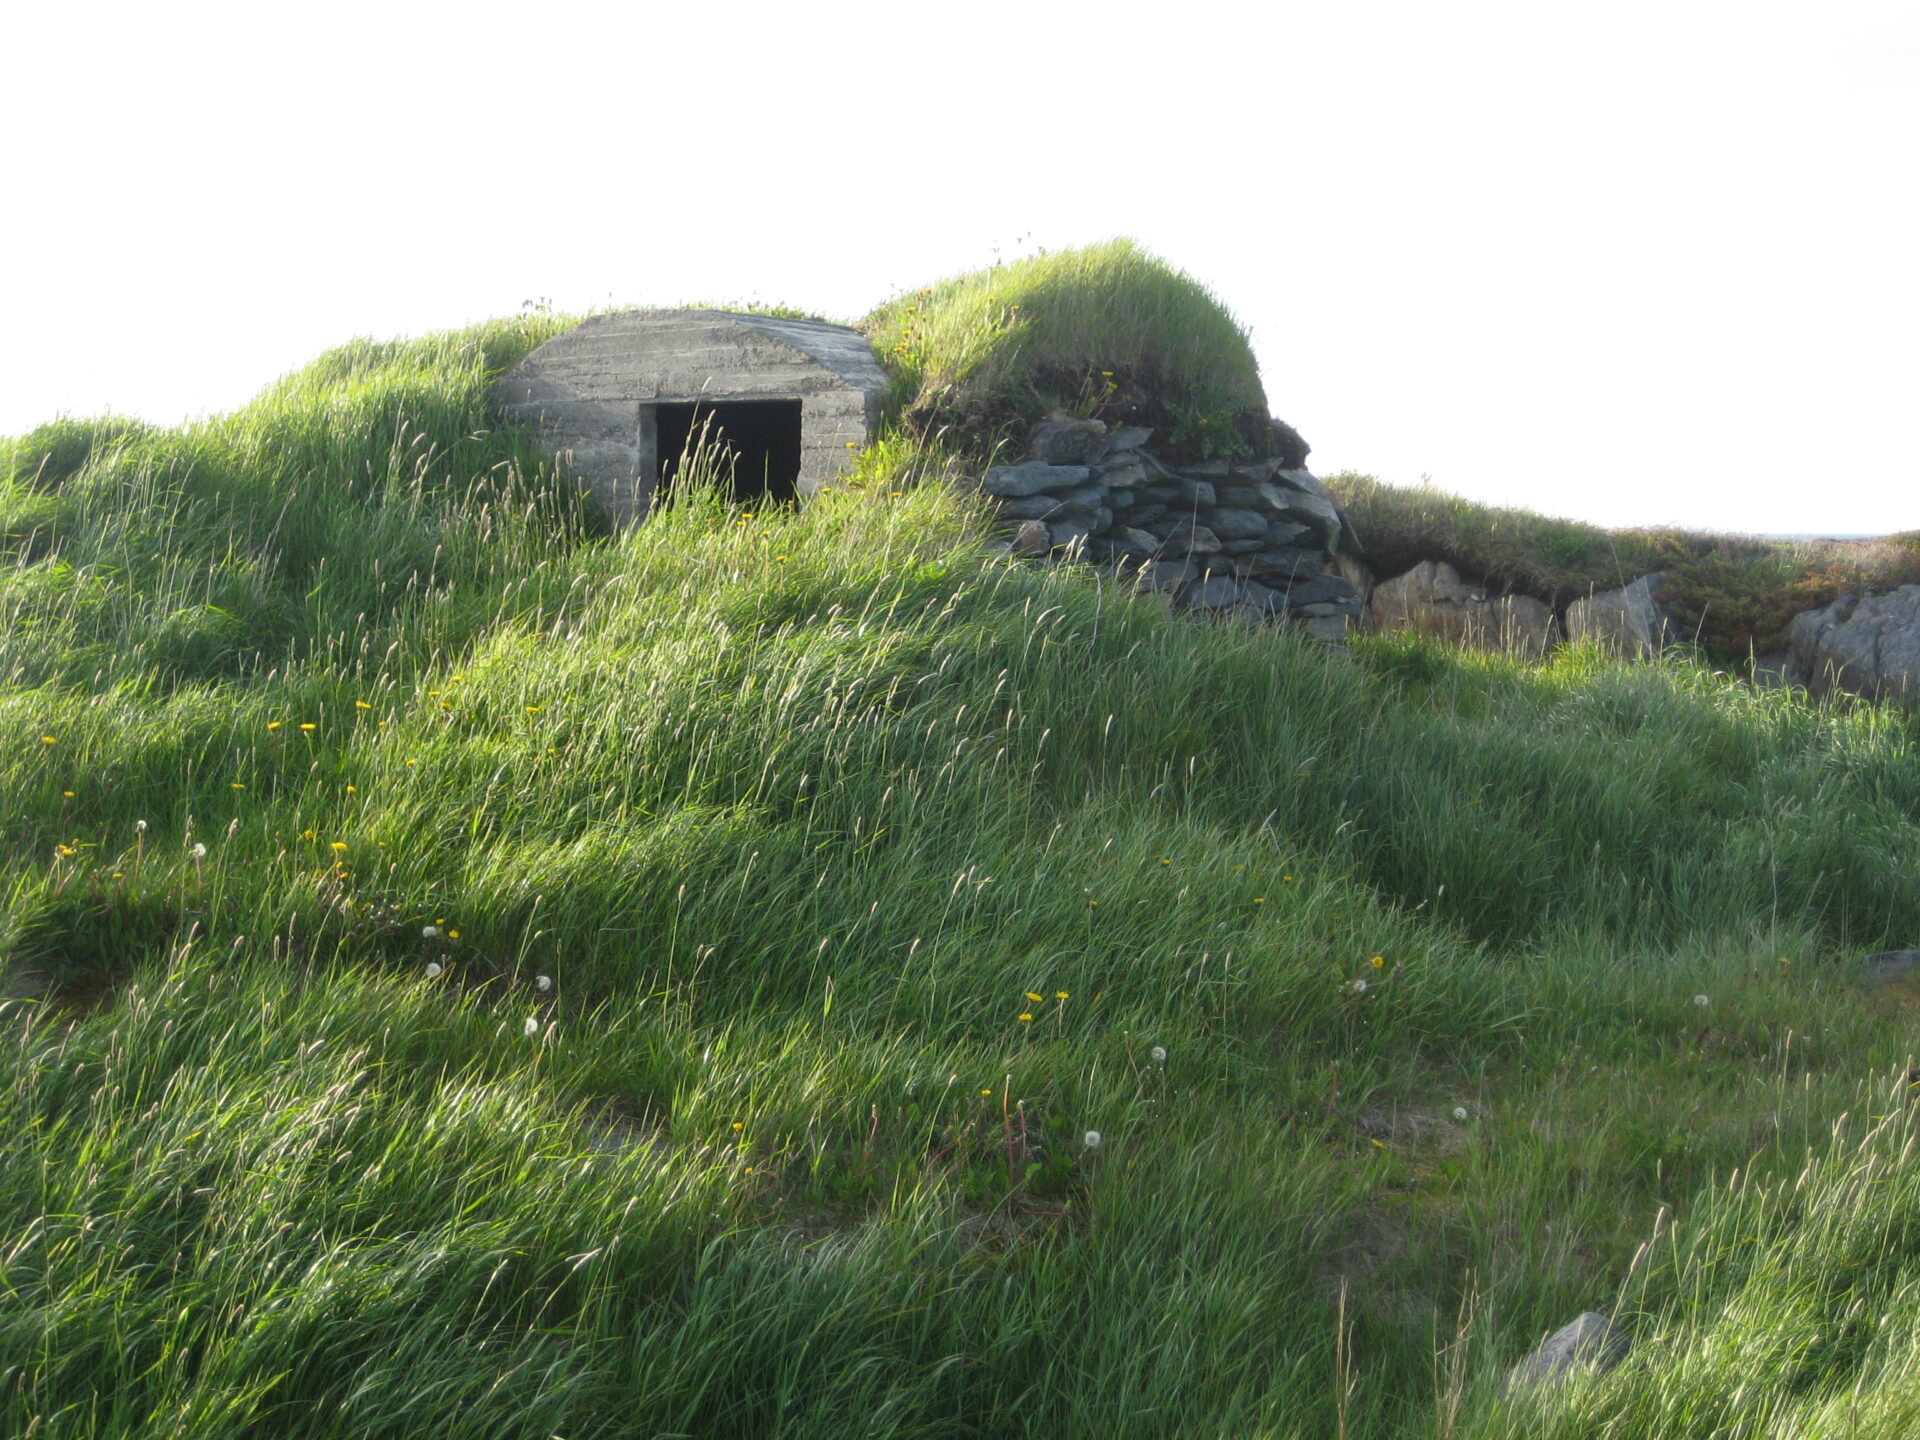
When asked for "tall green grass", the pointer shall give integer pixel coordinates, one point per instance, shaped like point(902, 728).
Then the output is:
point(866, 877)
point(1106, 331)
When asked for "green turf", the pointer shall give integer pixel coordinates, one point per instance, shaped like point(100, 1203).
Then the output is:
point(868, 876)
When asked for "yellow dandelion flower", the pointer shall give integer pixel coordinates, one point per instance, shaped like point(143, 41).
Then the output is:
point(1259, 899)
point(68, 795)
point(353, 789)
point(738, 1125)
point(1377, 961)
point(308, 725)
point(65, 850)
point(453, 934)
point(1061, 995)
point(308, 835)
point(1033, 997)
point(361, 705)
point(986, 1092)
point(1026, 1019)
point(339, 847)
point(273, 724)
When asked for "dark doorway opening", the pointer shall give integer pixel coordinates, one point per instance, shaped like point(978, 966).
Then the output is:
point(754, 444)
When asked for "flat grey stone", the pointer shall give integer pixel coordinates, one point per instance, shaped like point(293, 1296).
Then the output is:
point(1302, 480)
point(1121, 472)
point(1164, 574)
point(1193, 539)
point(1032, 477)
point(1069, 534)
point(1068, 442)
point(1888, 965)
point(1029, 507)
point(1128, 437)
point(1214, 593)
point(1253, 471)
point(1628, 621)
point(1323, 589)
point(1032, 538)
point(1588, 1342)
point(1235, 524)
point(1196, 493)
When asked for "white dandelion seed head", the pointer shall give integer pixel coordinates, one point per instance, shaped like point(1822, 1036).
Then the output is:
point(140, 827)
point(1701, 1001)
point(1158, 1054)
point(433, 969)
point(543, 983)
point(1459, 1112)
point(531, 1026)
point(1091, 1139)
point(1359, 987)
point(199, 850)
point(429, 932)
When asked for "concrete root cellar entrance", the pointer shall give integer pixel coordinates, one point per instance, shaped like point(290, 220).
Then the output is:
point(752, 445)
point(618, 402)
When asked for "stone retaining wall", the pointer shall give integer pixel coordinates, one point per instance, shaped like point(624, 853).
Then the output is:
point(1244, 538)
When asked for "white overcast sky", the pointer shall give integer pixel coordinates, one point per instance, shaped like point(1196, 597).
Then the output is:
point(1636, 263)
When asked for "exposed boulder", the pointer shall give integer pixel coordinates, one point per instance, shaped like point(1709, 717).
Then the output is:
point(1864, 644)
point(1588, 1342)
point(1068, 442)
point(1888, 966)
point(1432, 599)
point(1629, 621)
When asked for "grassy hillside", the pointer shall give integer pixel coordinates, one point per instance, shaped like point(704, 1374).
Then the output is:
point(781, 974)
point(1733, 594)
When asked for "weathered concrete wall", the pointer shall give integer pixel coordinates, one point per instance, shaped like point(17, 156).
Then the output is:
point(586, 392)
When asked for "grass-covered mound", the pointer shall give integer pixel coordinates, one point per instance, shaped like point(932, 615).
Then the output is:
point(1732, 594)
point(1106, 332)
point(1417, 1003)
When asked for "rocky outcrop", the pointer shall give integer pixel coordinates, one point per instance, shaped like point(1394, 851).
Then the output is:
point(1629, 621)
point(1865, 645)
point(1247, 539)
point(1432, 599)
point(1589, 1342)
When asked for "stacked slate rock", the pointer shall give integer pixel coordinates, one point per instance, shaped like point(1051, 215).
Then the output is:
point(1248, 539)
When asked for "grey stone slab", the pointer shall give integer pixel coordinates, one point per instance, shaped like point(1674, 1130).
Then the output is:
point(1031, 478)
point(1589, 1342)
